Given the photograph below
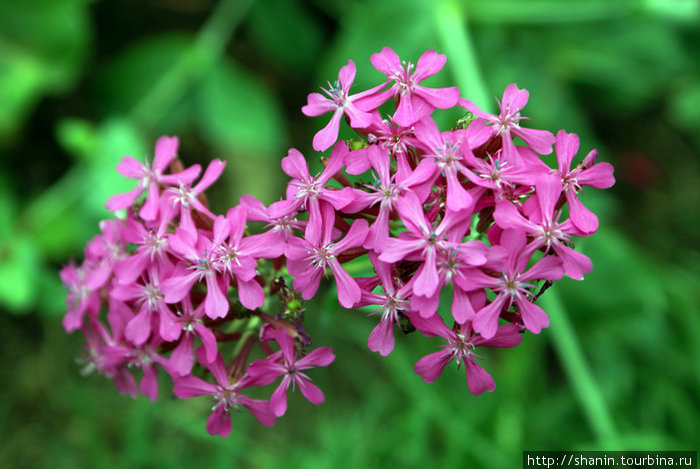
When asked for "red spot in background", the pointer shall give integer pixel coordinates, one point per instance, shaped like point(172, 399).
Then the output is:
point(638, 169)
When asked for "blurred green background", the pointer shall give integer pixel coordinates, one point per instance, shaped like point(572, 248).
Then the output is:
point(84, 82)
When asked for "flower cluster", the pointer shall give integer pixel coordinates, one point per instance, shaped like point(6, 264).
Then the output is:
point(472, 210)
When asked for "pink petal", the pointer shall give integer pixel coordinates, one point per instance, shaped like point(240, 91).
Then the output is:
point(166, 148)
point(211, 174)
point(182, 358)
point(462, 309)
point(405, 116)
point(599, 175)
point(547, 268)
point(431, 366)
point(355, 237)
point(584, 219)
point(191, 386)
point(574, 263)
point(514, 99)
point(381, 339)
point(486, 320)
point(327, 136)
point(534, 317)
point(219, 422)
point(294, 164)
point(175, 289)
point(457, 196)
point(386, 61)
point(428, 65)
point(322, 356)
point(548, 188)
point(149, 383)
point(139, 328)
point(478, 380)
point(426, 306)
point(278, 400)
point(442, 98)
point(261, 411)
point(208, 340)
point(215, 304)
point(427, 279)
point(317, 104)
point(395, 250)
point(149, 211)
point(347, 75)
point(250, 293)
point(122, 201)
point(507, 336)
point(566, 146)
point(508, 217)
point(349, 292)
point(311, 392)
point(130, 167)
point(540, 141)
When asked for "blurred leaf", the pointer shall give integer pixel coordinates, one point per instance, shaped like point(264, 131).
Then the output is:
point(630, 64)
point(546, 11)
point(19, 268)
point(291, 20)
point(236, 111)
point(132, 75)
point(684, 11)
point(42, 45)
point(65, 216)
point(78, 137)
point(685, 107)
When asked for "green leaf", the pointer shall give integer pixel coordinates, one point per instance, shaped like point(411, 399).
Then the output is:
point(291, 20)
point(42, 46)
point(131, 76)
point(236, 111)
point(19, 267)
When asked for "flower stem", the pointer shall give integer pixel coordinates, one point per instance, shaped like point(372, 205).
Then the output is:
point(578, 372)
point(195, 62)
point(452, 28)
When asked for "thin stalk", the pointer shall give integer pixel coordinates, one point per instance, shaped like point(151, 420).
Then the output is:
point(578, 372)
point(452, 27)
point(194, 64)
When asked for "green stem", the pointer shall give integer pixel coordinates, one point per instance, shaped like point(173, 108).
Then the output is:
point(195, 63)
point(579, 374)
point(453, 30)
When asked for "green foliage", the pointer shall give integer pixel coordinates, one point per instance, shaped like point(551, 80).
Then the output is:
point(42, 46)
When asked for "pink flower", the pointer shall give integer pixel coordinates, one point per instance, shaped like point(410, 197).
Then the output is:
point(307, 261)
point(461, 343)
point(80, 298)
point(544, 227)
point(415, 101)
point(225, 394)
point(143, 356)
point(444, 151)
point(393, 302)
point(285, 363)
point(236, 256)
point(512, 286)
point(202, 267)
point(507, 123)
point(598, 175)
point(190, 323)
point(339, 102)
point(186, 197)
point(152, 248)
point(150, 177)
point(310, 192)
point(422, 242)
